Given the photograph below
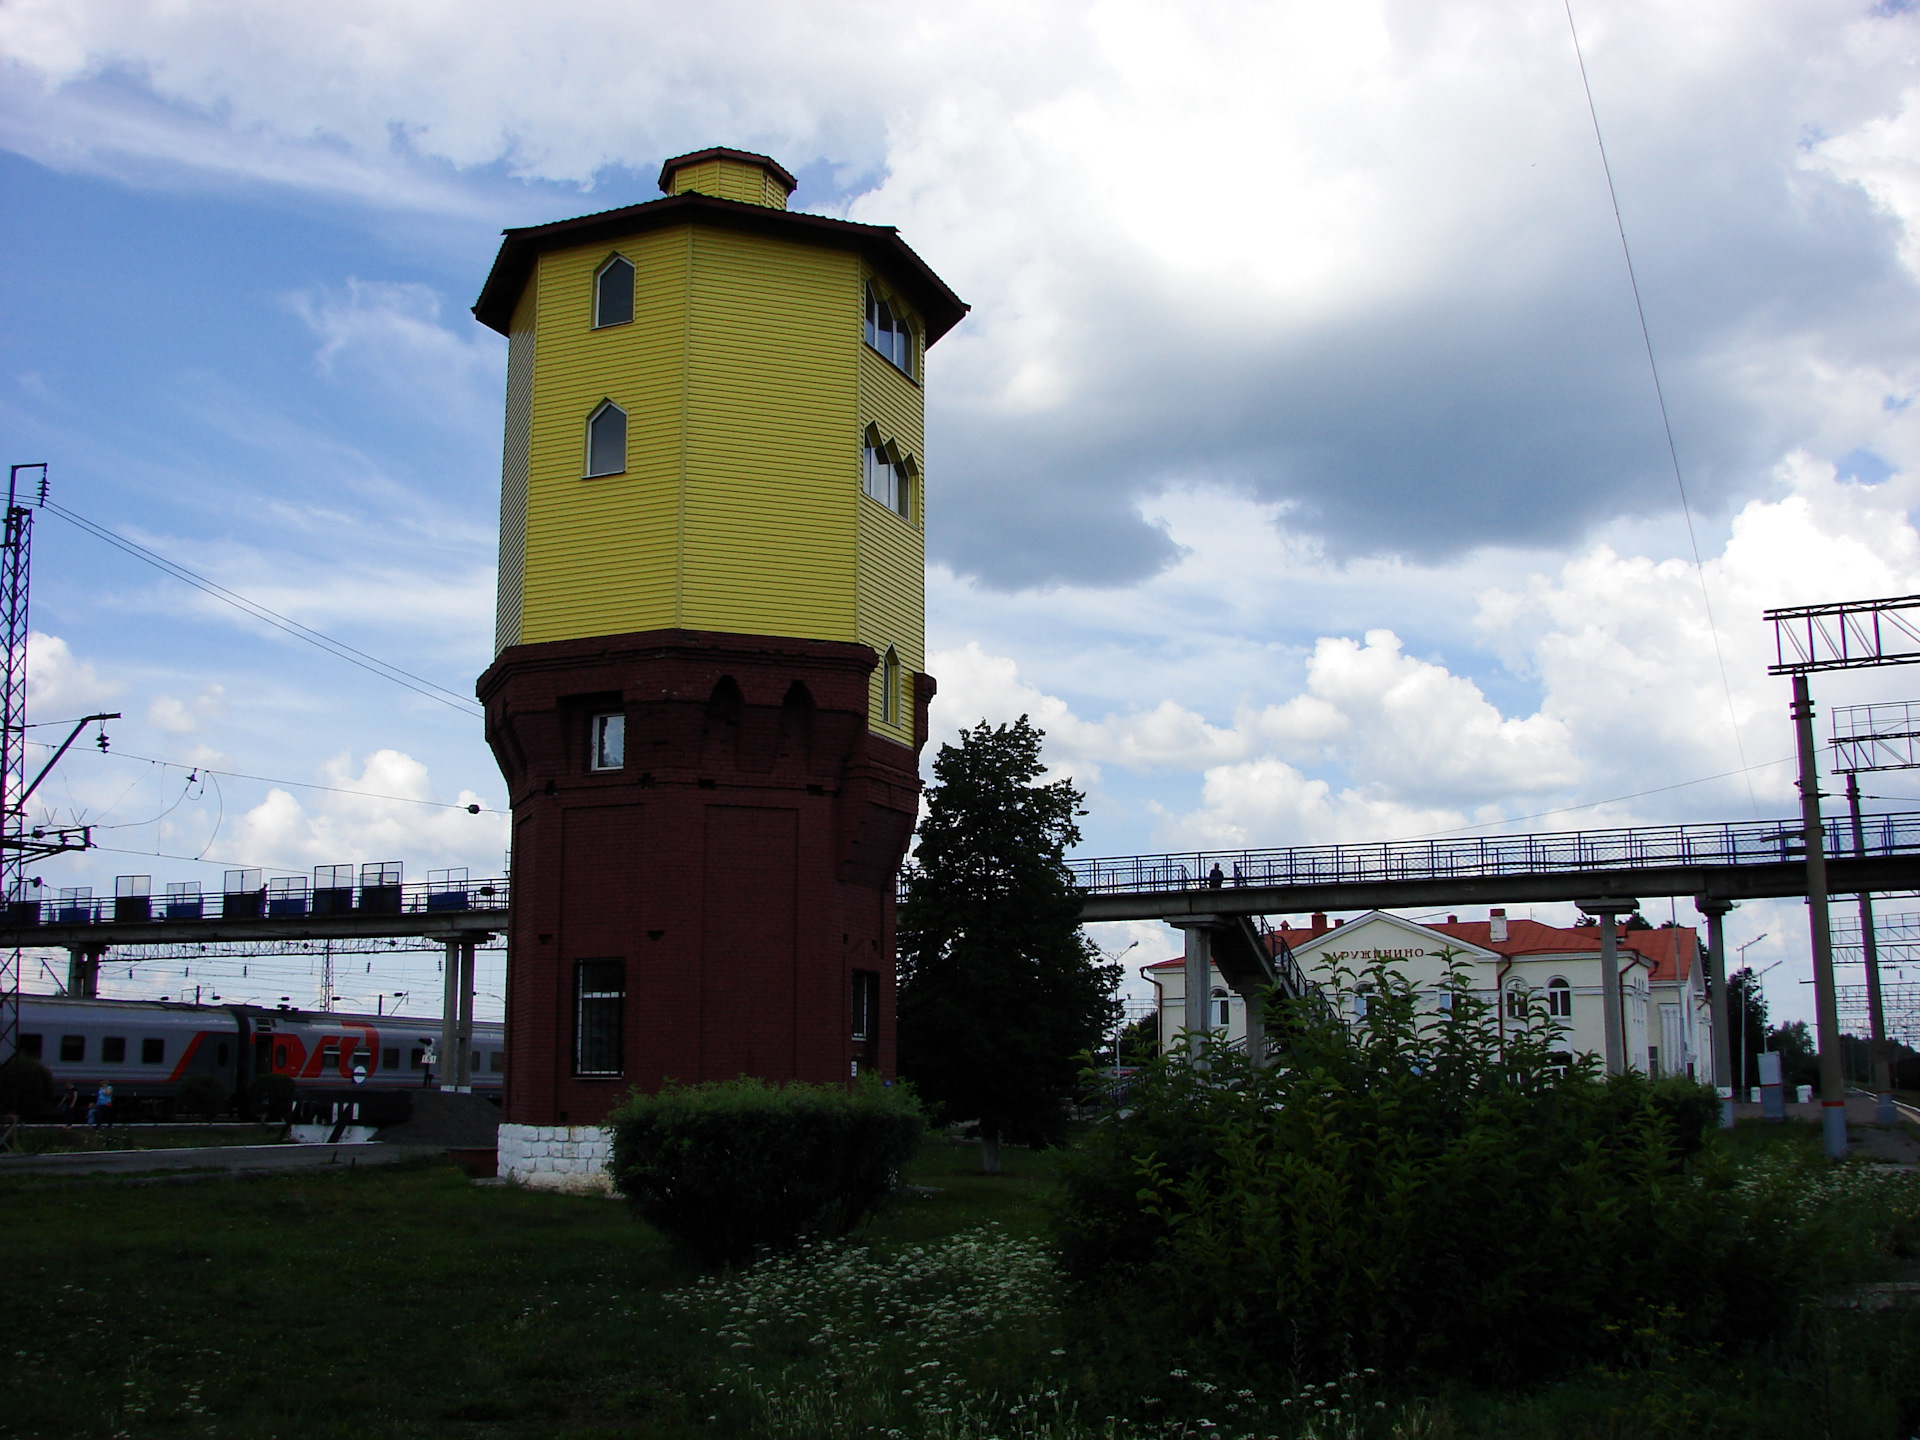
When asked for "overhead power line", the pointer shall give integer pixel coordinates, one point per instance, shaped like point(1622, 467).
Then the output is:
point(1660, 394)
point(470, 807)
point(339, 649)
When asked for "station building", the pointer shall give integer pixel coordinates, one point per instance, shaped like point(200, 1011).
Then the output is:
point(709, 691)
point(1669, 1026)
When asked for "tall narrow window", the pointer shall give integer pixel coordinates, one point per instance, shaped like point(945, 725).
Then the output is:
point(607, 440)
point(1559, 999)
point(890, 687)
point(889, 333)
point(613, 293)
point(887, 479)
point(866, 1005)
point(609, 741)
point(600, 1005)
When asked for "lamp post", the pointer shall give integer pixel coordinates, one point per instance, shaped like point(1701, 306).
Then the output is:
point(1753, 979)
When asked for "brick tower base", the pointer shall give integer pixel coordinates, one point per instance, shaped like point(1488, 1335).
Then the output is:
point(739, 865)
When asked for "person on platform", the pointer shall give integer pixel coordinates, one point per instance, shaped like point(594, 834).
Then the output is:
point(67, 1107)
point(102, 1106)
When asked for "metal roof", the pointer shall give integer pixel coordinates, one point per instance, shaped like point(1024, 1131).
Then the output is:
point(880, 245)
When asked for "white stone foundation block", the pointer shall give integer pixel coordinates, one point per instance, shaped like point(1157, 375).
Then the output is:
point(556, 1157)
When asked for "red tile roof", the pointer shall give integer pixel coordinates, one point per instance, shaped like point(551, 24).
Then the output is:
point(1671, 954)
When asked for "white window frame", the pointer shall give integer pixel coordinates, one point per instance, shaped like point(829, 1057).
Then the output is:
point(599, 276)
point(607, 741)
point(886, 476)
point(890, 687)
point(1559, 998)
point(890, 334)
point(593, 418)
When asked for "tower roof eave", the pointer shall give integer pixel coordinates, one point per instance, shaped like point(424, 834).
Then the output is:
point(880, 245)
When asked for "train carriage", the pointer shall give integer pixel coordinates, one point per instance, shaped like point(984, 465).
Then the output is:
point(147, 1049)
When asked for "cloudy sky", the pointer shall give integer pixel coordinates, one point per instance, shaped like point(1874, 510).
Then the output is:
point(1299, 467)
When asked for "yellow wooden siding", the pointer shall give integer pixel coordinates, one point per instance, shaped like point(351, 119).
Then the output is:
point(892, 584)
point(730, 180)
point(747, 391)
point(772, 405)
point(601, 553)
point(513, 470)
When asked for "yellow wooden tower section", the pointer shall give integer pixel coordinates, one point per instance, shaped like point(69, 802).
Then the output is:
point(716, 422)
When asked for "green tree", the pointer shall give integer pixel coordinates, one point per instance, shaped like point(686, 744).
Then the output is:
point(1140, 1041)
point(1747, 1014)
point(1799, 1056)
point(1000, 992)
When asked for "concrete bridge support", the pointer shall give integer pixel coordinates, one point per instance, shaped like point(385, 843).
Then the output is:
point(456, 1015)
point(83, 971)
point(1723, 1078)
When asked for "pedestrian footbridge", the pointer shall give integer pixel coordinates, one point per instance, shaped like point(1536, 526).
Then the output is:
point(1738, 861)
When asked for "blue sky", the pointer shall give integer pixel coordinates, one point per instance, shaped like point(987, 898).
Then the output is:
point(1298, 467)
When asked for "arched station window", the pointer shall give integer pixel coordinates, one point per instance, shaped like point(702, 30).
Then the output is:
point(606, 440)
point(1559, 998)
point(887, 477)
point(1220, 1003)
point(889, 333)
point(890, 687)
point(613, 293)
point(1517, 1000)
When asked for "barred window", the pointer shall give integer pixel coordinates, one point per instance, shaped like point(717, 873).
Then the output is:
point(600, 1004)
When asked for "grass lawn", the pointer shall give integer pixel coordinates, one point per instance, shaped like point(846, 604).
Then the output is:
point(408, 1301)
point(402, 1301)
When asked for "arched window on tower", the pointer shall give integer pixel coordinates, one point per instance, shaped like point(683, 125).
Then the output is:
point(890, 687)
point(606, 440)
point(1559, 998)
point(887, 477)
point(889, 332)
point(613, 293)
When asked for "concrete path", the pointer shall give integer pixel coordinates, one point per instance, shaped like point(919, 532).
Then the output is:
point(213, 1158)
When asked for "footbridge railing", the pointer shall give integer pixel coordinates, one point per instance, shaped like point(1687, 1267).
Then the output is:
point(1489, 856)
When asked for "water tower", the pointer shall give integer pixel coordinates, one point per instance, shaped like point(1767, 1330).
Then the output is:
point(708, 695)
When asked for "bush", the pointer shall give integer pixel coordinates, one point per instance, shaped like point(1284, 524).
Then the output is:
point(271, 1097)
point(1418, 1193)
point(26, 1087)
point(731, 1167)
point(202, 1095)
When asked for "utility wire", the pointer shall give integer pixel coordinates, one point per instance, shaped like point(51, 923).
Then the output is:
point(337, 648)
point(1673, 451)
point(1596, 804)
point(274, 780)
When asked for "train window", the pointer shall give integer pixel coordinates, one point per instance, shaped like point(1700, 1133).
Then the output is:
point(153, 1051)
point(32, 1045)
point(72, 1048)
point(221, 1059)
point(113, 1050)
point(476, 1060)
point(390, 1059)
point(279, 1057)
point(497, 1062)
point(330, 1055)
point(419, 1059)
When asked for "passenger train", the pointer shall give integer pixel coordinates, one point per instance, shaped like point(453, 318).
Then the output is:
point(146, 1049)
